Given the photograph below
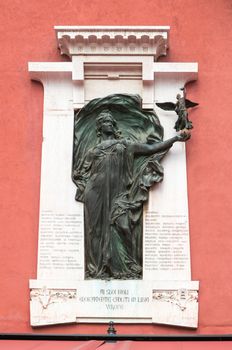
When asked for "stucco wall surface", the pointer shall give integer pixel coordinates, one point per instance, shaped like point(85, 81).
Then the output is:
point(200, 32)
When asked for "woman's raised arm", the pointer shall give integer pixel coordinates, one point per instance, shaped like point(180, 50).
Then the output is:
point(148, 149)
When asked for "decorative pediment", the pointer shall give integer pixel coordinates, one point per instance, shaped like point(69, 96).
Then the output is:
point(109, 40)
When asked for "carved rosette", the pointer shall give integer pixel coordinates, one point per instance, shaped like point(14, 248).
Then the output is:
point(152, 41)
point(181, 297)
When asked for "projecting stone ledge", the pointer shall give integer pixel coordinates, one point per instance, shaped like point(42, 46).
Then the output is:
point(113, 40)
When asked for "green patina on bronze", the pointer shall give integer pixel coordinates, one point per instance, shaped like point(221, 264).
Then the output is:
point(181, 108)
point(116, 159)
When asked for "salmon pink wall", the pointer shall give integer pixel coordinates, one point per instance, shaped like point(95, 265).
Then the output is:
point(200, 31)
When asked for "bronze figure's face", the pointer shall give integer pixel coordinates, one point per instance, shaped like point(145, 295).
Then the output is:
point(106, 124)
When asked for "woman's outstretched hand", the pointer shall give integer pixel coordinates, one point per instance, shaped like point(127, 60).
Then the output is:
point(183, 136)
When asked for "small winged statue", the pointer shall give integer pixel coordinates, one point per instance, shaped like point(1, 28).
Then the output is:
point(181, 109)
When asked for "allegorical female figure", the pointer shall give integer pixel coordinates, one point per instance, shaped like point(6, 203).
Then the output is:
point(113, 173)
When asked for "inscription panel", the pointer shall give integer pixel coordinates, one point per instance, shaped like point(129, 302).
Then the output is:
point(60, 245)
point(114, 299)
point(166, 246)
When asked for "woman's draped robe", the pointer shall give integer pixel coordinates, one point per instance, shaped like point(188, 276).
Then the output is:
point(109, 250)
point(113, 184)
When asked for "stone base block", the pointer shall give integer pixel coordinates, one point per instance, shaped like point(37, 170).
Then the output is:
point(96, 301)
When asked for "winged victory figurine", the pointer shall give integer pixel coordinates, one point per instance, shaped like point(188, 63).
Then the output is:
point(181, 109)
